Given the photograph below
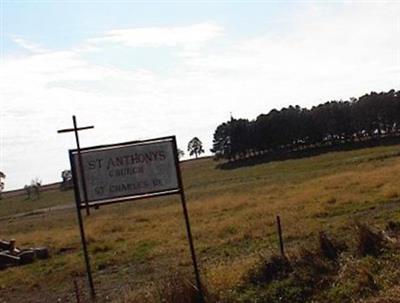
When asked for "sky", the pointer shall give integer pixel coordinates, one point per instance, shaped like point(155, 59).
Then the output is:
point(144, 69)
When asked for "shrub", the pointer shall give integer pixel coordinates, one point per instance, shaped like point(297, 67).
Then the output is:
point(311, 269)
point(277, 267)
point(393, 227)
point(177, 289)
point(329, 248)
point(369, 242)
point(326, 247)
point(355, 280)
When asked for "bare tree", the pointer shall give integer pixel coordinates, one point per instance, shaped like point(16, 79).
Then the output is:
point(33, 190)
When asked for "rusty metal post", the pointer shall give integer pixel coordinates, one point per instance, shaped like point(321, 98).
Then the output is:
point(281, 246)
point(188, 230)
point(82, 233)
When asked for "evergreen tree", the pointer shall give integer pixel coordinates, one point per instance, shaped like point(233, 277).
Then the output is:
point(372, 116)
point(195, 147)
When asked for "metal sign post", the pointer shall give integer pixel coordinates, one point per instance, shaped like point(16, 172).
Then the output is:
point(188, 230)
point(78, 204)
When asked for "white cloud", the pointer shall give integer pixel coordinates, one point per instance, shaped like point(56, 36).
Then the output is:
point(189, 36)
point(32, 47)
point(329, 54)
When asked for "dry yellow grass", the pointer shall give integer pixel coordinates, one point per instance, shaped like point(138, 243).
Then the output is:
point(132, 245)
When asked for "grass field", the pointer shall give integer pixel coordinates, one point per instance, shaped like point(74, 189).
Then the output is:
point(135, 246)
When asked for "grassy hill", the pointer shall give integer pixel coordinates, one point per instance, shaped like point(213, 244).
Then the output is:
point(136, 247)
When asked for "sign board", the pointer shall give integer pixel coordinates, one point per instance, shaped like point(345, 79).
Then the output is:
point(127, 171)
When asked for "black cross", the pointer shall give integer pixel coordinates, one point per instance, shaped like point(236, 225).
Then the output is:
point(76, 129)
point(78, 202)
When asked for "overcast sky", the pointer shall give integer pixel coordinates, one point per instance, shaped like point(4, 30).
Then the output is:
point(137, 70)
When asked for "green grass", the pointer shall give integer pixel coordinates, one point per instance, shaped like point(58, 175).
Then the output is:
point(232, 212)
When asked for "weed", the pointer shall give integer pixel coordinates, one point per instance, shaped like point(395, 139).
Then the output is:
point(283, 291)
point(142, 250)
point(311, 269)
point(177, 288)
point(366, 283)
point(355, 280)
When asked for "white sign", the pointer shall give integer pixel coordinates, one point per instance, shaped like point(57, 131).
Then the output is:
point(127, 170)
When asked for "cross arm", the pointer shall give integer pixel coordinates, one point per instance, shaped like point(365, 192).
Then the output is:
point(67, 130)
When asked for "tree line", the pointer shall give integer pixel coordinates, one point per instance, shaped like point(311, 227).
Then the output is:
point(371, 116)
